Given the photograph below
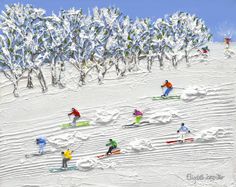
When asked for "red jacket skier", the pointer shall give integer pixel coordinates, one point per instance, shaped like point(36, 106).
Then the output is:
point(74, 112)
point(76, 116)
point(227, 40)
point(205, 50)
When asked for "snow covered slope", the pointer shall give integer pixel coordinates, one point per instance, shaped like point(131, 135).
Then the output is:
point(207, 106)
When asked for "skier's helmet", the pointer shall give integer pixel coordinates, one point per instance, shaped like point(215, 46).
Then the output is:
point(182, 124)
point(41, 137)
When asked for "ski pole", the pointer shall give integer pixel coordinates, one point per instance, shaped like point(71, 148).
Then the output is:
point(162, 90)
point(69, 117)
point(179, 88)
point(78, 147)
point(192, 133)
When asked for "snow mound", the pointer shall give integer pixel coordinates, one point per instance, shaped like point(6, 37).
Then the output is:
point(228, 53)
point(140, 145)
point(68, 139)
point(81, 136)
point(89, 163)
point(211, 135)
point(106, 116)
point(162, 116)
point(193, 92)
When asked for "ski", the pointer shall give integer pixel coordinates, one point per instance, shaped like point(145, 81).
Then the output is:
point(166, 97)
point(60, 169)
point(117, 151)
point(78, 124)
point(37, 154)
point(135, 125)
point(180, 141)
point(130, 126)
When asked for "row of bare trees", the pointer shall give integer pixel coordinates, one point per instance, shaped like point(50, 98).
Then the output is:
point(93, 43)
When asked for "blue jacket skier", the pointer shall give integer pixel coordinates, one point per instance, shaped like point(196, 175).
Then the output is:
point(183, 130)
point(41, 141)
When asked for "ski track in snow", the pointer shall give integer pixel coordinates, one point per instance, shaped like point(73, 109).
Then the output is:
point(209, 111)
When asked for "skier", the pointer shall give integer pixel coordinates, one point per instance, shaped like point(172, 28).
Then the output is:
point(66, 157)
point(112, 144)
point(183, 130)
point(168, 86)
point(76, 116)
point(41, 141)
point(205, 50)
point(138, 116)
point(227, 41)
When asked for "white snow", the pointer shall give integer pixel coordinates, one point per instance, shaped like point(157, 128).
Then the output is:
point(67, 139)
point(193, 92)
point(85, 164)
point(106, 116)
point(89, 163)
point(161, 117)
point(212, 134)
point(140, 145)
point(228, 53)
point(146, 159)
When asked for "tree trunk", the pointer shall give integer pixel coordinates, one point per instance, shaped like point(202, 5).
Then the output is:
point(15, 91)
point(82, 78)
point(61, 75)
point(174, 61)
point(29, 82)
point(122, 72)
point(99, 77)
point(160, 59)
point(117, 69)
point(13, 78)
point(104, 72)
point(186, 56)
point(54, 72)
point(135, 63)
point(149, 63)
point(110, 64)
point(42, 80)
point(131, 64)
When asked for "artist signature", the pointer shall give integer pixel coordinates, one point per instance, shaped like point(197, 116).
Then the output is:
point(203, 177)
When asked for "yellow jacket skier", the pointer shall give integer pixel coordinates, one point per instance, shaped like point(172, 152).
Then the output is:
point(66, 157)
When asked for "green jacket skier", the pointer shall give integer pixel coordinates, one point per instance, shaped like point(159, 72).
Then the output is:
point(112, 144)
